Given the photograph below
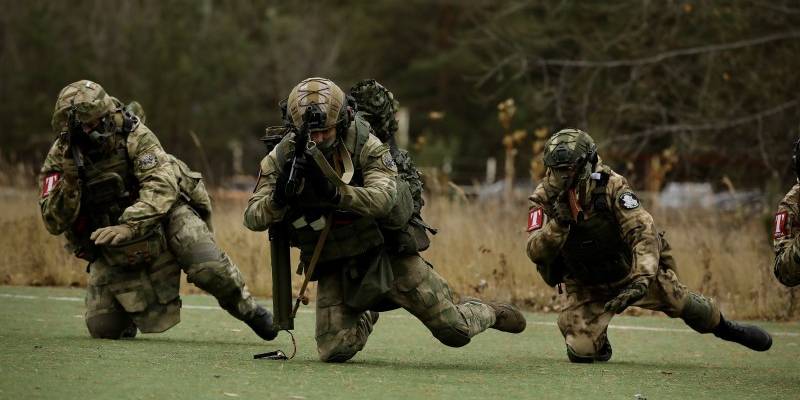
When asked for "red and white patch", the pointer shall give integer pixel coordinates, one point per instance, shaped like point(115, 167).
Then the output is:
point(781, 220)
point(535, 219)
point(49, 183)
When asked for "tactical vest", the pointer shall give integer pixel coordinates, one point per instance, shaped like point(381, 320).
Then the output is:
point(350, 234)
point(595, 251)
point(108, 188)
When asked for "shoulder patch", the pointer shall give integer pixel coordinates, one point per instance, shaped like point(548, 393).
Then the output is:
point(388, 161)
point(49, 183)
point(628, 201)
point(781, 220)
point(535, 219)
point(147, 161)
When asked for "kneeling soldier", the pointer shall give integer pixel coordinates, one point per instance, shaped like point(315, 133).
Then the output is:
point(352, 211)
point(138, 215)
point(589, 232)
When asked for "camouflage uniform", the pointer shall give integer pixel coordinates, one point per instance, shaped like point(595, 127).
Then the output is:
point(162, 202)
point(358, 270)
point(787, 248)
point(612, 250)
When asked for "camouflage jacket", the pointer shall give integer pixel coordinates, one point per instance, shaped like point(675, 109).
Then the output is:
point(634, 225)
point(787, 225)
point(375, 198)
point(152, 167)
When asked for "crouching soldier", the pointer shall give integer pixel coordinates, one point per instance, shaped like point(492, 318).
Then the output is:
point(138, 215)
point(589, 231)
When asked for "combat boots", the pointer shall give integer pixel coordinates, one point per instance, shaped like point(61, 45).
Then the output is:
point(507, 317)
point(746, 335)
point(261, 324)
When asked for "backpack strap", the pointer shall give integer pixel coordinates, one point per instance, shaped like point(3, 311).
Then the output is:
point(599, 200)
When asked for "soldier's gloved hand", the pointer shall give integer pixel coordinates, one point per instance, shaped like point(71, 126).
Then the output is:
point(563, 213)
point(112, 235)
point(629, 295)
point(279, 192)
point(322, 186)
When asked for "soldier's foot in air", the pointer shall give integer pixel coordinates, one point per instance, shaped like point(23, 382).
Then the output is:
point(261, 324)
point(507, 317)
point(749, 336)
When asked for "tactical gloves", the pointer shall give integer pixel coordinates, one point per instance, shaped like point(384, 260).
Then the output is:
point(629, 295)
point(112, 235)
point(563, 214)
point(305, 168)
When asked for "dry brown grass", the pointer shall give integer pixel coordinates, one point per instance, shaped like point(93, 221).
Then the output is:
point(480, 251)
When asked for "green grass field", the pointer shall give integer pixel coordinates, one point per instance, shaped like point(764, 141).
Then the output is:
point(47, 354)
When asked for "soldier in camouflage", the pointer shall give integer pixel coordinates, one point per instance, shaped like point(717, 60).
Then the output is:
point(787, 226)
point(589, 233)
point(351, 191)
point(138, 215)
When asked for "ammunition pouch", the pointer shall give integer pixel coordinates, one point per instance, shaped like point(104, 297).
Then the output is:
point(410, 240)
point(345, 239)
point(106, 188)
point(136, 253)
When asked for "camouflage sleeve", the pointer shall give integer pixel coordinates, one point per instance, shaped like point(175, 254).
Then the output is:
point(261, 212)
point(60, 201)
point(786, 241)
point(158, 185)
point(379, 193)
point(636, 226)
point(546, 236)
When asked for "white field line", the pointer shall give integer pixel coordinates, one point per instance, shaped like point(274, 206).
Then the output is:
point(310, 311)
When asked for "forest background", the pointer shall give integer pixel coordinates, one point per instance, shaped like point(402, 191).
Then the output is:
point(672, 91)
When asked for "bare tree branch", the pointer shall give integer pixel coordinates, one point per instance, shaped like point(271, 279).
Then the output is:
point(708, 126)
point(671, 54)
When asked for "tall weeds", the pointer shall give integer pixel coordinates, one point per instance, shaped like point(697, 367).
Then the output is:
point(479, 250)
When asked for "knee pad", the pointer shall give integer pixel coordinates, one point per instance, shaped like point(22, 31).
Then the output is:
point(577, 358)
point(700, 313)
point(111, 326)
point(452, 337)
point(580, 347)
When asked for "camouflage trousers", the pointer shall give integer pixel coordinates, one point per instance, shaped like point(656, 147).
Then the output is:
point(584, 323)
point(787, 264)
point(343, 331)
point(119, 296)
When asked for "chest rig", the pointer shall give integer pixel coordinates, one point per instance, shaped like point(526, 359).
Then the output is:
point(350, 234)
point(108, 188)
point(595, 251)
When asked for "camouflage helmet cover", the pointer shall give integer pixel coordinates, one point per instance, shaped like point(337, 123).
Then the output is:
point(88, 100)
point(571, 147)
point(327, 96)
point(379, 105)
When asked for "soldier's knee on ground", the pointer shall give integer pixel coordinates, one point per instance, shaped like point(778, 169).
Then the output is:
point(580, 349)
point(700, 313)
point(339, 348)
point(111, 326)
point(451, 336)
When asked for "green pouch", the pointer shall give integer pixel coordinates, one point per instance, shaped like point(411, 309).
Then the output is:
point(138, 252)
point(134, 296)
point(343, 241)
point(165, 278)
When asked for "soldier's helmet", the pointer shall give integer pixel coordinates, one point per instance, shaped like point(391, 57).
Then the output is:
point(87, 99)
point(571, 148)
point(378, 105)
point(327, 99)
